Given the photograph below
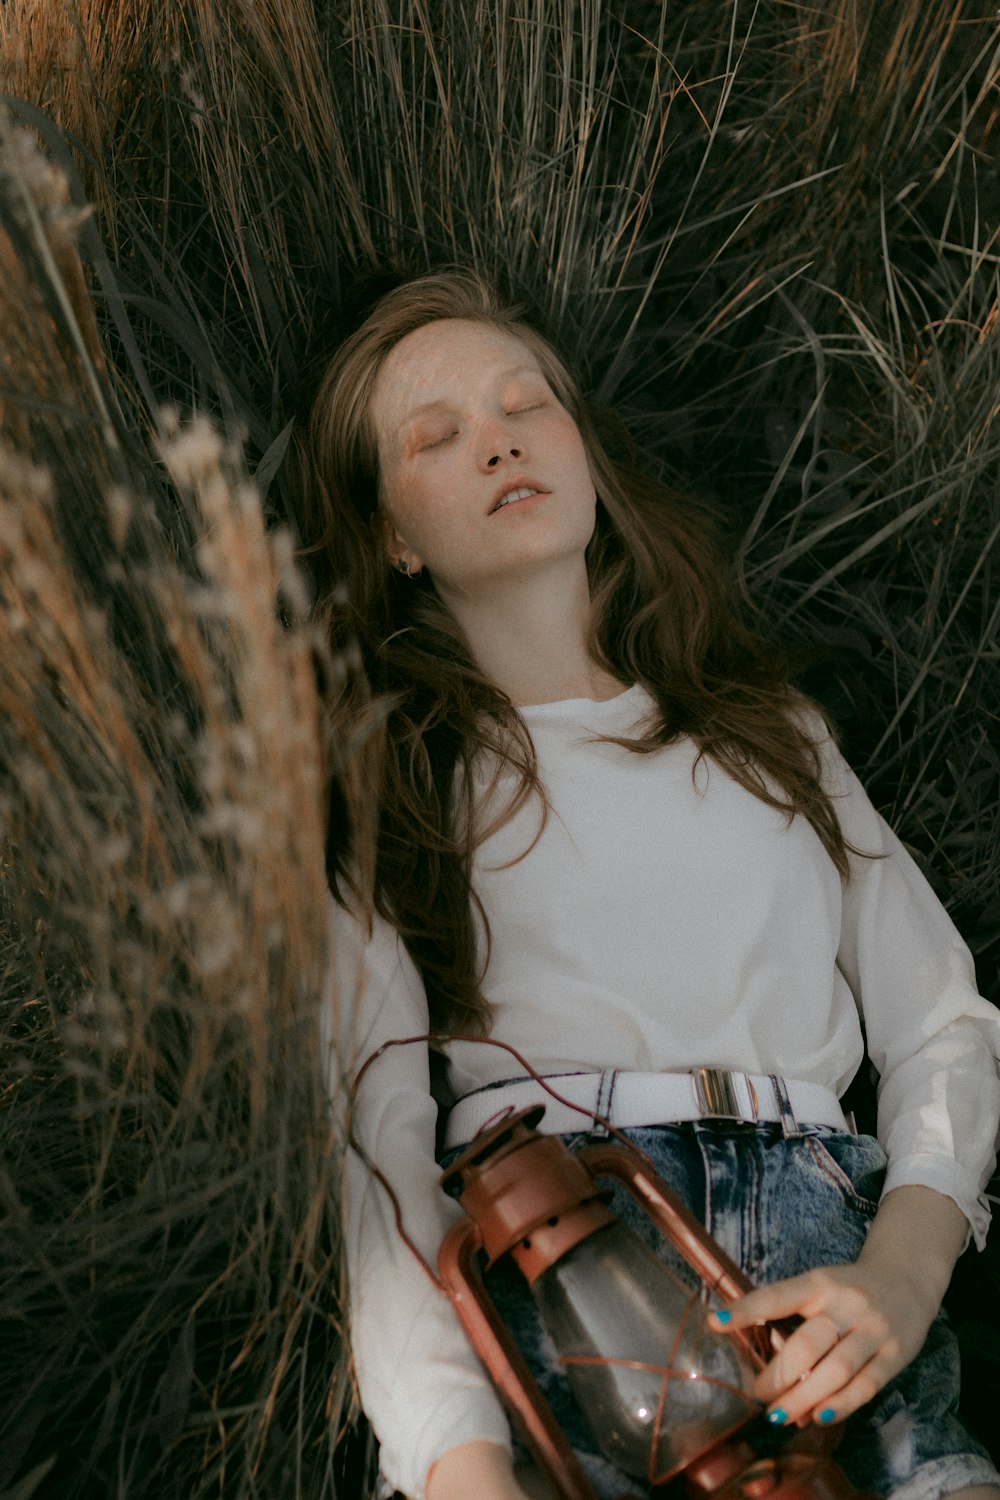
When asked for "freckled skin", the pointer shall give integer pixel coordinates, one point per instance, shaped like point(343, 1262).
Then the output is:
point(460, 410)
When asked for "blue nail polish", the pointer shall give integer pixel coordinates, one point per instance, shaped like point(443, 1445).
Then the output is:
point(827, 1414)
point(777, 1417)
point(724, 1316)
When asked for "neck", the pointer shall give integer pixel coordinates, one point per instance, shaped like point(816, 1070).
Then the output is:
point(531, 637)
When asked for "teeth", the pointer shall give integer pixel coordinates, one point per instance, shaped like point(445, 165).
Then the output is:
point(514, 495)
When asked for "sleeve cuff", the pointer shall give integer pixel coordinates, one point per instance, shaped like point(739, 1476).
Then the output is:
point(946, 1176)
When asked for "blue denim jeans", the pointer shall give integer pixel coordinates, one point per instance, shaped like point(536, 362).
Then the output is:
point(780, 1202)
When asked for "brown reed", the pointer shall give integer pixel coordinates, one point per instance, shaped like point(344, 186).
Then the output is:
point(766, 232)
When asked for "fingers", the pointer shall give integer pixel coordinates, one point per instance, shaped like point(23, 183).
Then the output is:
point(802, 1352)
point(840, 1356)
point(828, 1390)
point(767, 1303)
point(838, 1385)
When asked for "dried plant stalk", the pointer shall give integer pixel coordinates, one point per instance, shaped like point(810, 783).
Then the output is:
point(167, 1164)
point(767, 232)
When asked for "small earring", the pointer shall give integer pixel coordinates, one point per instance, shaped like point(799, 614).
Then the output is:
point(403, 565)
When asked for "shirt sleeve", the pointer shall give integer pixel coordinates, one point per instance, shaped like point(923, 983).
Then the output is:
point(933, 1039)
point(422, 1387)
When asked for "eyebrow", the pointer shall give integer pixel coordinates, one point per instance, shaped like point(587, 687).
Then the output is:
point(427, 406)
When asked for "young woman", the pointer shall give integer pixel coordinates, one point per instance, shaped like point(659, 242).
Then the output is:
point(613, 837)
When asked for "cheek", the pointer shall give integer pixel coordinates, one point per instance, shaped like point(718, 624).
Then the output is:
point(394, 516)
point(570, 442)
point(413, 508)
point(386, 480)
point(404, 502)
point(398, 496)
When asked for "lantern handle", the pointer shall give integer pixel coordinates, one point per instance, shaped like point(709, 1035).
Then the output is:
point(459, 1273)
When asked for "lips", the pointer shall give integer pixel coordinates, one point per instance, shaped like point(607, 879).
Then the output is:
point(513, 490)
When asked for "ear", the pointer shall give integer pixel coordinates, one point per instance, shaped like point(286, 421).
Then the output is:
point(397, 549)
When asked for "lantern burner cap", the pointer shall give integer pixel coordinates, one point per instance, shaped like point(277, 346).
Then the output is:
point(508, 1130)
point(526, 1192)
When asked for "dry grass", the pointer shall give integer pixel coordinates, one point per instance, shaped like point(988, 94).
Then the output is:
point(168, 1170)
point(767, 232)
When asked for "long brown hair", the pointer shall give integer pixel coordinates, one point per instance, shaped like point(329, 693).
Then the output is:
point(666, 614)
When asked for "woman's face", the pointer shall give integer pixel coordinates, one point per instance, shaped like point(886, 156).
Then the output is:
point(466, 424)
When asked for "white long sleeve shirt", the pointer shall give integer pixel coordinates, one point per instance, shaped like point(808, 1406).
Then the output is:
point(662, 921)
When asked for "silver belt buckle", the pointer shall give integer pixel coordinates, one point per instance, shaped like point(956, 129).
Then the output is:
point(715, 1091)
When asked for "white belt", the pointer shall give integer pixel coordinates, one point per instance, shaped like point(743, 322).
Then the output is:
point(633, 1099)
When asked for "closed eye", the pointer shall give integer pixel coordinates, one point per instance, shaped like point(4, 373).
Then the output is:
point(517, 410)
point(435, 442)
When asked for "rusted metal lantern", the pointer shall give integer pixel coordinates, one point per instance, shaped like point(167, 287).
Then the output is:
point(664, 1395)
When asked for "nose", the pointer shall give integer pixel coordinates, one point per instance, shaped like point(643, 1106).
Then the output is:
point(497, 443)
point(492, 462)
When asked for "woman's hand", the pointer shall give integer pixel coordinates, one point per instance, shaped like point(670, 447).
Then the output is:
point(863, 1323)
